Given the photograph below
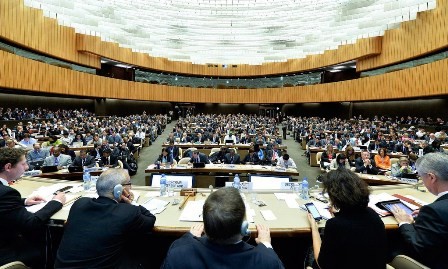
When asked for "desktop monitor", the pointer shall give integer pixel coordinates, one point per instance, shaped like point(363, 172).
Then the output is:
point(268, 182)
point(182, 180)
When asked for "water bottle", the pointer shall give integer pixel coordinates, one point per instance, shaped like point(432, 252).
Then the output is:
point(163, 185)
point(86, 179)
point(236, 182)
point(305, 189)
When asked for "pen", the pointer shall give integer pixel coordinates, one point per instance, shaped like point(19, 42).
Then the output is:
point(184, 202)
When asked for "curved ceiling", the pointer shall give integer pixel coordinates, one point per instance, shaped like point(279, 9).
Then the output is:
point(232, 31)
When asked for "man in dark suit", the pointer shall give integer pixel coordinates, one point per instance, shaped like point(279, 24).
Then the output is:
point(222, 245)
point(199, 157)
point(426, 238)
point(23, 233)
point(365, 164)
point(232, 157)
point(251, 157)
point(87, 244)
point(108, 160)
point(173, 151)
point(84, 160)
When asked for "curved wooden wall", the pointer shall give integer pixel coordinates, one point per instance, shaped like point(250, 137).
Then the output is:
point(361, 49)
point(29, 28)
point(426, 34)
point(25, 74)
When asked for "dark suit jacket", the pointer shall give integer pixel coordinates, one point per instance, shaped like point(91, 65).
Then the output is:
point(354, 240)
point(202, 253)
point(360, 168)
point(427, 238)
point(175, 152)
point(113, 160)
point(251, 159)
point(99, 231)
point(228, 159)
point(89, 161)
point(17, 226)
point(202, 158)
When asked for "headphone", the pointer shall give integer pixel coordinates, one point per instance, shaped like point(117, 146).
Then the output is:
point(118, 189)
point(245, 228)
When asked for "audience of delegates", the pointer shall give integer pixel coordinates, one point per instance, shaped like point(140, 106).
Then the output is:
point(401, 167)
point(23, 233)
point(365, 164)
point(108, 160)
point(426, 237)
point(356, 236)
point(86, 243)
point(222, 244)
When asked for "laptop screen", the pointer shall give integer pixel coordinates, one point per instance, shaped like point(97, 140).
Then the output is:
point(49, 169)
point(267, 182)
point(181, 180)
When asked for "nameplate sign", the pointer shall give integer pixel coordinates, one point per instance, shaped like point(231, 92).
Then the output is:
point(287, 185)
point(179, 183)
point(408, 180)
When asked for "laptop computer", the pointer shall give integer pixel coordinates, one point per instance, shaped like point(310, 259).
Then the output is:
point(198, 165)
point(49, 169)
point(77, 144)
point(74, 169)
point(36, 164)
point(229, 142)
point(362, 147)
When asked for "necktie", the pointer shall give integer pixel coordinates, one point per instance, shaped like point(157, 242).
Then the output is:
point(56, 161)
point(197, 160)
point(231, 159)
point(82, 162)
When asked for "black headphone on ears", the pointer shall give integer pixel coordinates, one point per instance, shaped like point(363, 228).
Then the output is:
point(118, 190)
point(245, 228)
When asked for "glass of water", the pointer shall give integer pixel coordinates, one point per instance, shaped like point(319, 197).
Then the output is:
point(297, 189)
point(170, 188)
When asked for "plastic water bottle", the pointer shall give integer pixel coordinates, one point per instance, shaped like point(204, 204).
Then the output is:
point(236, 182)
point(163, 185)
point(86, 179)
point(305, 189)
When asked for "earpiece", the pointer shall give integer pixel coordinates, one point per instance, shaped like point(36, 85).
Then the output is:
point(118, 189)
point(245, 228)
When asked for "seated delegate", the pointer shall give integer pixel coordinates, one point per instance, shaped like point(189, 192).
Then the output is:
point(356, 236)
point(222, 245)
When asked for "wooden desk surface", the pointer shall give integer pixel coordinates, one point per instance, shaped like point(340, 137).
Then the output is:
point(210, 146)
point(289, 222)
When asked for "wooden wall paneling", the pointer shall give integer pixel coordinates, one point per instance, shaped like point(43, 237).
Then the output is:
point(426, 34)
point(25, 74)
point(28, 27)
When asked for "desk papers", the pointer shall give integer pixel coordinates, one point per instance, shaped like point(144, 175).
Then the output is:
point(268, 214)
point(192, 211)
point(155, 206)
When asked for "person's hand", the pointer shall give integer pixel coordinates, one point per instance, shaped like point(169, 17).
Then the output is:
point(127, 196)
point(401, 216)
point(197, 230)
point(415, 213)
point(312, 221)
point(264, 235)
point(60, 196)
point(34, 200)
